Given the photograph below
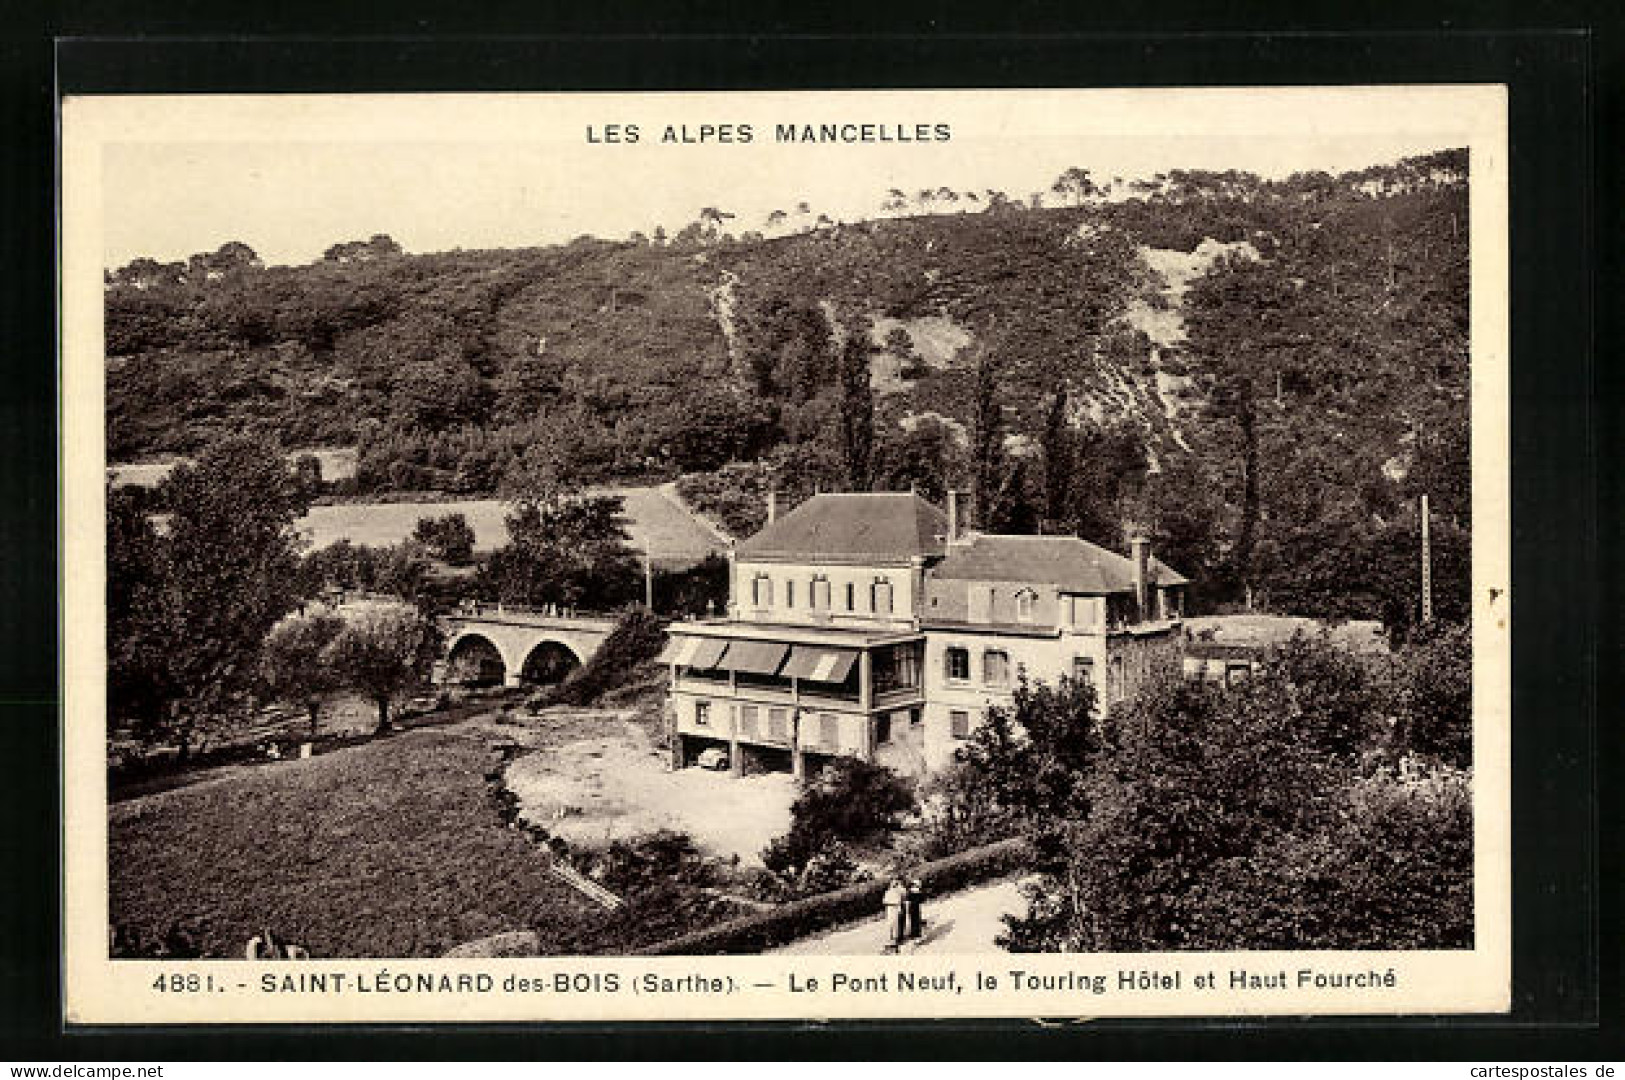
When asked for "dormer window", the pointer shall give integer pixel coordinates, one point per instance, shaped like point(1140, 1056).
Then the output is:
point(1024, 605)
point(880, 596)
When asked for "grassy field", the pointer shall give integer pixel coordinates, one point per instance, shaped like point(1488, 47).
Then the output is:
point(654, 519)
point(391, 849)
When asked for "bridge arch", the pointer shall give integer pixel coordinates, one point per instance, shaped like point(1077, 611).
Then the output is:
point(472, 657)
point(533, 647)
point(549, 661)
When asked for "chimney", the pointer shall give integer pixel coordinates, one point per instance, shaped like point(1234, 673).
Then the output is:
point(953, 516)
point(772, 505)
point(1141, 549)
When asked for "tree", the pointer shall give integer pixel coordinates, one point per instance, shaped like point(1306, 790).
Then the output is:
point(379, 246)
point(565, 551)
point(307, 468)
point(1057, 446)
point(141, 619)
point(1035, 753)
point(231, 554)
point(1251, 818)
point(292, 665)
point(231, 259)
point(849, 799)
point(382, 651)
point(987, 440)
point(924, 456)
point(450, 538)
point(1434, 676)
point(857, 412)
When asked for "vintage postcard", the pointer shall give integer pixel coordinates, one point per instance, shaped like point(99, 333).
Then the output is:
point(584, 557)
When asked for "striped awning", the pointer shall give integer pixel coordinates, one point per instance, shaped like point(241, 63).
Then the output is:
point(819, 663)
point(694, 652)
point(756, 657)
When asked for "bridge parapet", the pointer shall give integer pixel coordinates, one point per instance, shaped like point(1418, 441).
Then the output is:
point(515, 615)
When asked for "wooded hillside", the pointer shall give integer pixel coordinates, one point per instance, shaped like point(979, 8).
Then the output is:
point(1263, 375)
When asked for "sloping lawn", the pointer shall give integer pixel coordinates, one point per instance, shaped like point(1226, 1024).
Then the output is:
point(391, 849)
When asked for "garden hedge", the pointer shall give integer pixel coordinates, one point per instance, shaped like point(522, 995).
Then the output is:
point(798, 918)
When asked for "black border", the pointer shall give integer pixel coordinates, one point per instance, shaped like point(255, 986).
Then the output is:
point(1554, 78)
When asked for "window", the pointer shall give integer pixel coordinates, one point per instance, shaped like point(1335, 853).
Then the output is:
point(778, 724)
point(761, 593)
point(956, 665)
point(880, 593)
point(829, 730)
point(1024, 605)
point(883, 728)
point(702, 714)
point(820, 594)
point(979, 601)
point(851, 596)
point(1081, 611)
point(1083, 670)
point(959, 724)
point(996, 667)
point(747, 721)
point(790, 593)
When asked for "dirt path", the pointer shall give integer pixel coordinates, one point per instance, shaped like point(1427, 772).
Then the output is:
point(612, 782)
point(961, 923)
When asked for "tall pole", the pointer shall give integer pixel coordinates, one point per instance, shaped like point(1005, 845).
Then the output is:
point(1427, 567)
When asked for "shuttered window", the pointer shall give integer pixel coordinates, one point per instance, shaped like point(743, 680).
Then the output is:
point(820, 594)
point(996, 668)
point(881, 593)
point(959, 724)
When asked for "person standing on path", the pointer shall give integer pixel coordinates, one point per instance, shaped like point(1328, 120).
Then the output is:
point(913, 899)
point(895, 901)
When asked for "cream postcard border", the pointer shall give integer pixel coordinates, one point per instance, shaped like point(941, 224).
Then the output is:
point(100, 991)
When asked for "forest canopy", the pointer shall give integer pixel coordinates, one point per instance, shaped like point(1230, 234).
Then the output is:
point(1263, 375)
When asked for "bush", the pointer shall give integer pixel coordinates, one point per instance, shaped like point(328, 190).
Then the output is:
point(955, 815)
point(1395, 873)
point(769, 929)
point(635, 866)
point(826, 870)
point(848, 800)
point(1434, 694)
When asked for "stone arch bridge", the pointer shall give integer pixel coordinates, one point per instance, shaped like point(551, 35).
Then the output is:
point(514, 646)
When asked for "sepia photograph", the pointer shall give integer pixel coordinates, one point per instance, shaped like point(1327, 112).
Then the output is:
point(786, 554)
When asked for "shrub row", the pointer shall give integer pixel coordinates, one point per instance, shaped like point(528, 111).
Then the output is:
point(769, 929)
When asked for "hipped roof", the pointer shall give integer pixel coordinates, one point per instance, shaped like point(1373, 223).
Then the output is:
point(1070, 563)
point(869, 525)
